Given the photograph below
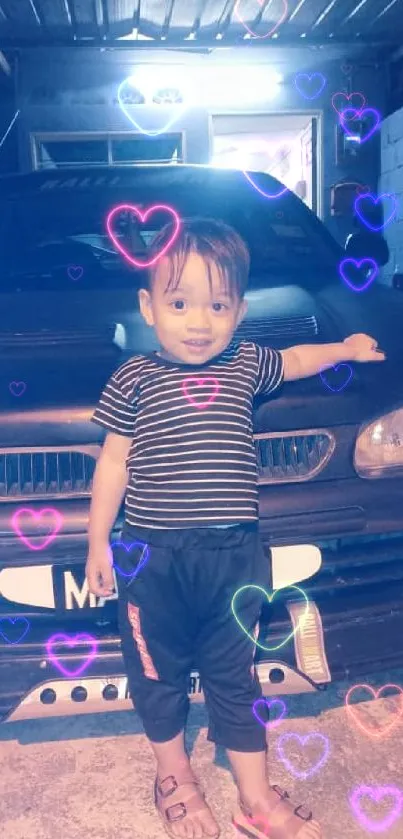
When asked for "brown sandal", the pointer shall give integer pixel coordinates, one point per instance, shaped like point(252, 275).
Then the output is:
point(176, 812)
point(285, 822)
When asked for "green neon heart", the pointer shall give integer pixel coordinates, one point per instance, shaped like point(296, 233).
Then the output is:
point(271, 597)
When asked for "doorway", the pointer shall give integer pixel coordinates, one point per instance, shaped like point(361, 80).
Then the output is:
point(283, 145)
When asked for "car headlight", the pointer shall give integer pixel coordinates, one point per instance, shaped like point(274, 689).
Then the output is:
point(379, 447)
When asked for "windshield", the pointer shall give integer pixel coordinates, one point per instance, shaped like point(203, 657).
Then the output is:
point(59, 241)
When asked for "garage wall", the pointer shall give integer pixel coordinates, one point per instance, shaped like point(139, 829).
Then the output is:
point(63, 91)
point(391, 180)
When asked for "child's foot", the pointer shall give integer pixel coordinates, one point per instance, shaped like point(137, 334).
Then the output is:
point(274, 815)
point(182, 806)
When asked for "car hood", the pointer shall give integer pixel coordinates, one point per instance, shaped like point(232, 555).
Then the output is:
point(63, 381)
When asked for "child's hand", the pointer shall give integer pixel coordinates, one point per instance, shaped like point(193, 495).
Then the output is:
point(98, 570)
point(364, 348)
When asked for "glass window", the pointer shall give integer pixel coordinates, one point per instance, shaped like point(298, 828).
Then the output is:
point(57, 153)
point(166, 148)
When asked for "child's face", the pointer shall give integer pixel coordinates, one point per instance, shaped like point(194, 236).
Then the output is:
point(191, 312)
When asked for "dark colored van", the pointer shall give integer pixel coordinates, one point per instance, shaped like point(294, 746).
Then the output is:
point(329, 448)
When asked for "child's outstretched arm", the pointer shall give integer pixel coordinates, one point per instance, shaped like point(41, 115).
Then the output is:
point(309, 359)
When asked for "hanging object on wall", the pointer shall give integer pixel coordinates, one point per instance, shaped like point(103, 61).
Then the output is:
point(343, 196)
point(353, 131)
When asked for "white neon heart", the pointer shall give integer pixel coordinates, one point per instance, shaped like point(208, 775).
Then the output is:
point(179, 110)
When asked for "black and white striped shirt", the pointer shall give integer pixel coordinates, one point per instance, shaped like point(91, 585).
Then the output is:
point(192, 461)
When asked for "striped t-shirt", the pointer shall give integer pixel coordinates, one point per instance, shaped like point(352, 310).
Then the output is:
point(192, 461)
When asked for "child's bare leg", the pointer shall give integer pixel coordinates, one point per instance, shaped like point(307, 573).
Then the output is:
point(171, 758)
point(252, 781)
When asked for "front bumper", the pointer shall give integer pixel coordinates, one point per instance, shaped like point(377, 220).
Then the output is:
point(358, 595)
point(355, 643)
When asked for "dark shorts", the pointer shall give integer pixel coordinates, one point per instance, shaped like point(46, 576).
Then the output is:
point(175, 591)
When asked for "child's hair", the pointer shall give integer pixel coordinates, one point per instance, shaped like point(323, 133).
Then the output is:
point(215, 241)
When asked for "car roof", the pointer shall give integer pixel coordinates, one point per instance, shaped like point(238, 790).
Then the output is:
point(165, 175)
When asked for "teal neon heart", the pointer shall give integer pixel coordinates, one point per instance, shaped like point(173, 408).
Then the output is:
point(271, 597)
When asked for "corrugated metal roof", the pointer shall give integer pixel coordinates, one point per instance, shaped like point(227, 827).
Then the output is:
point(203, 23)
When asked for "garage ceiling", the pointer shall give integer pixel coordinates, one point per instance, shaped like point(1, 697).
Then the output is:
point(124, 24)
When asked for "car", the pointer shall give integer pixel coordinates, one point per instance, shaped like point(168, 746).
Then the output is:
point(329, 448)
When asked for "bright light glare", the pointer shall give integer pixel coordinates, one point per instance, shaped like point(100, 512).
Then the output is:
point(207, 86)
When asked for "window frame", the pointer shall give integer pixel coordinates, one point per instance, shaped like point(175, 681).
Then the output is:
point(38, 137)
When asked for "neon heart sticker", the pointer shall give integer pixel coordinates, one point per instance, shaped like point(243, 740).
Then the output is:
point(75, 272)
point(175, 112)
point(368, 197)
point(261, 191)
point(142, 561)
point(200, 380)
point(269, 704)
point(257, 147)
point(13, 621)
point(17, 388)
point(304, 80)
point(37, 516)
point(356, 715)
point(376, 117)
point(376, 793)
point(270, 597)
point(273, 29)
point(143, 216)
point(336, 368)
point(348, 97)
point(261, 822)
point(345, 269)
point(285, 738)
point(71, 641)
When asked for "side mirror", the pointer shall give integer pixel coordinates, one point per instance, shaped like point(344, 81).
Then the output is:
point(372, 245)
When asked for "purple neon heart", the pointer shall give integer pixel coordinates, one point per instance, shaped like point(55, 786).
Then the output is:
point(141, 562)
point(367, 196)
point(298, 80)
point(277, 721)
point(71, 641)
point(336, 367)
point(376, 793)
point(303, 739)
point(75, 272)
point(361, 113)
point(17, 388)
point(14, 621)
point(345, 263)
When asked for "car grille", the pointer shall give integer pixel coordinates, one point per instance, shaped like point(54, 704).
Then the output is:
point(68, 472)
point(47, 472)
point(273, 331)
point(293, 455)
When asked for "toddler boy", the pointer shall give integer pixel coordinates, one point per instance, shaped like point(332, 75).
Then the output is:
point(180, 448)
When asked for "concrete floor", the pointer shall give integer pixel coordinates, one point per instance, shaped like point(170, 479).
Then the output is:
point(92, 776)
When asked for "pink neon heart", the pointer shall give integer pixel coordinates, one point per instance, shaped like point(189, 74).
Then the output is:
point(143, 216)
point(261, 822)
point(272, 30)
point(17, 388)
point(376, 793)
point(71, 641)
point(199, 381)
point(37, 516)
point(348, 97)
point(75, 272)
